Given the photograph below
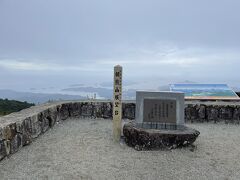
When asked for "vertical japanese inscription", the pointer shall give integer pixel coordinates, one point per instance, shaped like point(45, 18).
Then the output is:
point(160, 110)
point(117, 103)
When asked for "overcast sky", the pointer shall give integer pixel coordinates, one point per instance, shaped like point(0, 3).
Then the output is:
point(56, 43)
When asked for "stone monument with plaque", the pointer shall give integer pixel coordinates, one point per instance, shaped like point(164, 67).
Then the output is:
point(159, 122)
point(160, 109)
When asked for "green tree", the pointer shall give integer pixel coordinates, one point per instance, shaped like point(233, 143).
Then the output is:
point(9, 106)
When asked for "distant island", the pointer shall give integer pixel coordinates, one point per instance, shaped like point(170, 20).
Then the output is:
point(9, 106)
point(36, 98)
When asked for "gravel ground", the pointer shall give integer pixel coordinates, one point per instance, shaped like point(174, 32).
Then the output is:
point(84, 149)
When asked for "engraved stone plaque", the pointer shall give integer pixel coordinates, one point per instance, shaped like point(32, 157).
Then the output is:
point(159, 110)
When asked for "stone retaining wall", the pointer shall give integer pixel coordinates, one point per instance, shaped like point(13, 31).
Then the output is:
point(21, 128)
point(214, 113)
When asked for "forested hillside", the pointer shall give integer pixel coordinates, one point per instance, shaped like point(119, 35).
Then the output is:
point(9, 106)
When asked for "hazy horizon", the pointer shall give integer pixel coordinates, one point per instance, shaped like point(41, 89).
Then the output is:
point(47, 46)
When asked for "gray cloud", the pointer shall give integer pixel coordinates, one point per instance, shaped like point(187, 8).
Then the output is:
point(64, 42)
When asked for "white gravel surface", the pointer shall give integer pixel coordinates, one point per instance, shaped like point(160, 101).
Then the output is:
point(84, 149)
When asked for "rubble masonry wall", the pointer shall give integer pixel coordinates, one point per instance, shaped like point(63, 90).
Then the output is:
point(21, 128)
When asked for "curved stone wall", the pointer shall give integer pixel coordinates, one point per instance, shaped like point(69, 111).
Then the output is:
point(21, 128)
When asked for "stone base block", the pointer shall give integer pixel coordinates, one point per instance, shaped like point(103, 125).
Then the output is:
point(150, 139)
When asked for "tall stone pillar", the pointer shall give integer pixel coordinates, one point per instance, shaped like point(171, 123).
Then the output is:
point(117, 103)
